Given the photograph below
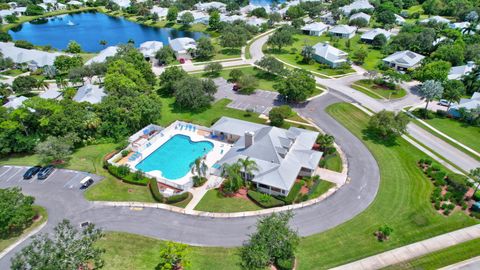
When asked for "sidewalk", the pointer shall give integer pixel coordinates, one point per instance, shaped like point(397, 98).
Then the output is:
point(198, 193)
point(414, 250)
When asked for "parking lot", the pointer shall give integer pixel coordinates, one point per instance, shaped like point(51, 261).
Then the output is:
point(67, 179)
point(260, 102)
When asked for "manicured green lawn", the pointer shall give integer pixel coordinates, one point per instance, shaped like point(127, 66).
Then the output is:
point(402, 202)
point(442, 258)
point(376, 91)
point(321, 188)
point(468, 135)
point(214, 202)
point(265, 80)
point(294, 57)
point(12, 72)
point(42, 212)
point(129, 251)
point(333, 162)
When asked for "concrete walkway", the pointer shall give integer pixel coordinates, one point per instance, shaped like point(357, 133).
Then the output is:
point(470, 264)
point(198, 193)
point(414, 250)
point(331, 176)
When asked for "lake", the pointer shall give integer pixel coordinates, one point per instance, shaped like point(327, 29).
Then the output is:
point(89, 28)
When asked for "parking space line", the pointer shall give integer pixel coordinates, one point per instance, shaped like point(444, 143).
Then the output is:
point(9, 168)
point(71, 183)
point(15, 174)
point(49, 177)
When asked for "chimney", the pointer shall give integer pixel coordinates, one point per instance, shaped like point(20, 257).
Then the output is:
point(249, 135)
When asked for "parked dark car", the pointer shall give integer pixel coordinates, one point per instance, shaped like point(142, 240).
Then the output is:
point(235, 87)
point(45, 172)
point(31, 172)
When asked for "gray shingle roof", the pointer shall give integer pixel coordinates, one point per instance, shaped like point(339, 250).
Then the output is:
point(182, 44)
point(404, 58)
point(330, 53)
point(90, 93)
point(343, 29)
point(20, 55)
point(149, 48)
point(103, 55)
point(316, 26)
point(357, 5)
point(370, 35)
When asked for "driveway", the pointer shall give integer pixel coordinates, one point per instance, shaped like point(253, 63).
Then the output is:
point(61, 201)
point(260, 102)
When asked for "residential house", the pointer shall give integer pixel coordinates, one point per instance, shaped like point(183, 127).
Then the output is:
point(161, 12)
point(33, 58)
point(356, 6)
point(328, 18)
point(198, 17)
point(255, 21)
point(360, 15)
point(327, 54)
point(435, 19)
point(315, 29)
point(211, 5)
point(75, 3)
point(90, 93)
point(184, 47)
point(456, 73)
point(51, 93)
point(122, 3)
point(465, 103)
point(399, 20)
point(14, 102)
point(281, 155)
point(150, 48)
point(103, 55)
point(403, 60)
point(343, 31)
point(368, 37)
point(232, 18)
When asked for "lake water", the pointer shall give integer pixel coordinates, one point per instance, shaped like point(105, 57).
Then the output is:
point(89, 28)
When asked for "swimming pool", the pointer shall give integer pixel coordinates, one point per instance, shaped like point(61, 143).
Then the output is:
point(175, 157)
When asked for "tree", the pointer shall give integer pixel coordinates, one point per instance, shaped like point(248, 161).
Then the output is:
point(388, 125)
point(34, 10)
point(275, 17)
point(165, 55)
point(235, 75)
point(295, 12)
point(17, 212)
point(186, 19)
point(172, 14)
point(273, 241)
point(247, 84)
point(214, 21)
point(173, 256)
point(281, 38)
point(453, 91)
point(66, 249)
point(193, 94)
point(471, 81)
point(248, 167)
point(234, 180)
point(125, 78)
point(325, 141)
point(475, 176)
point(259, 12)
point(430, 90)
point(5, 37)
point(73, 47)
point(386, 17)
point(437, 70)
point(24, 84)
point(11, 18)
point(205, 49)
point(379, 41)
point(307, 52)
point(213, 69)
point(359, 55)
point(472, 16)
point(296, 86)
point(24, 44)
point(278, 114)
point(200, 168)
point(359, 22)
point(57, 149)
point(63, 63)
point(453, 53)
point(232, 40)
point(168, 79)
point(271, 65)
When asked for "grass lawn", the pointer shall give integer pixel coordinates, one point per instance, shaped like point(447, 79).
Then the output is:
point(295, 58)
point(321, 188)
point(129, 251)
point(5, 243)
point(402, 202)
point(459, 131)
point(214, 202)
point(265, 80)
point(12, 72)
point(442, 257)
point(375, 91)
point(333, 162)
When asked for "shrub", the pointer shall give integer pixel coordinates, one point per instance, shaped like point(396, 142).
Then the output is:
point(457, 182)
point(428, 161)
point(24, 44)
point(278, 114)
point(125, 153)
point(451, 206)
point(442, 113)
point(437, 205)
point(153, 186)
point(292, 195)
point(285, 264)
point(199, 181)
point(443, 206)
point(446, 212)
point(439, 176)
point(259, 198)
point(464, 206)
point(177, 198)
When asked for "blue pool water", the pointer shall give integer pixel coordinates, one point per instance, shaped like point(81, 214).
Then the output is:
point(89, 28)
point(175, 157)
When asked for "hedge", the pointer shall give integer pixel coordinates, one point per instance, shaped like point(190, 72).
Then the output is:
point(153, 186)
point(259, 198)
point(285, 264)
point(129, 177)
point(458, 182)
point(177, 198)
point(292, 195)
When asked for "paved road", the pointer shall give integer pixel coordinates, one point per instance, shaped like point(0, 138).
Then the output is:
point(63, 202)
point(471, 264)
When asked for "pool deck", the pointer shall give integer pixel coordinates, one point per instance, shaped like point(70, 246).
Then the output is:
point(220, 148)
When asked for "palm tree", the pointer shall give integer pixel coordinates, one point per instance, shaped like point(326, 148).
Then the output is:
point(233, 174)
point(248, 167)
point(200, 168)
point(475, 175)
point(61, 82)
point(42, 84)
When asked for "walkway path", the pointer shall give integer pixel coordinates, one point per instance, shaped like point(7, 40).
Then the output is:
point(414, 250)
point(470, 264)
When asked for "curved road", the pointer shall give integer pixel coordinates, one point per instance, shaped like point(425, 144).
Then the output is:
point(350, 200)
